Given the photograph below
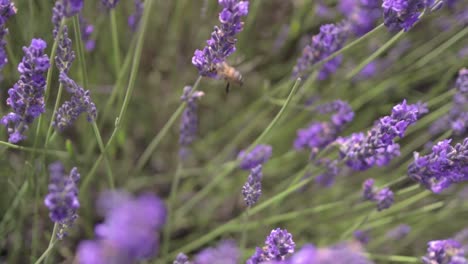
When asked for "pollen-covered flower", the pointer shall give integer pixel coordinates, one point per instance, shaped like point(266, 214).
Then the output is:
point(401, 14)
point(134, 19)
point(129, 232)
point(330, 39)
point(225, 252)
point(223, 39)
point(278, 245)
point(189, 120)
point(80, 102)
point(27, 95)
point(443, 167)
point(361, 152)
point(252, 189)
point(384, 197)
point(361, 15)
point(62, 199)
point(444, 252)
point(457, 118)
point(257, 156)
point(65, 54)
point(7, 10)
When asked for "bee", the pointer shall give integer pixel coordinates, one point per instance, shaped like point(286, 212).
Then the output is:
point(230, 74)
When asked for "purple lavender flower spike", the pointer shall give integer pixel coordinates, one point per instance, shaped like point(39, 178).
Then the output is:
point(444, 251)
point(330, 39)
point(65, 54)
point(368, 190)
point(223, 39)
point(189, 120)
point(27, 95)
point(278, 245)
point(226, 251)
point(361, 236)
point(398, 232)
point(343, 113)
point(86, 34)
point(129, 232)
point(80, 102)
point(7, 10)
point(401, 14)
point(109, 4)
point(257, 156)
point(62, 9)
point(181, 259)
point(327, 179)
point(361, 152)
point(62, 199)
point(134, 19)
point(361, 15)
point(252, 189)
point(443, 167)
point(384, 199)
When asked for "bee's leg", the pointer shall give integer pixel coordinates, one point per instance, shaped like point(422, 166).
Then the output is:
point(227, 87)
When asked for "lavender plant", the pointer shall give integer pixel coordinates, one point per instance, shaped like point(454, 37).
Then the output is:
point(360, 173)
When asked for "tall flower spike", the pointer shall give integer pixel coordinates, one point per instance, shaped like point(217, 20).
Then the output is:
point(62, 199)
point(402, 14)
point(383, 197)
point(444, 251)
point(330, 39)
point(7, 10)
point(62, 9)
point(80, 102)
point(65, 54)
point(225, 252)
point(134, 19)
point(443, 167)
point(27, 95)
point(223, 39)
point(278, 245)
point(361, 15)
point(457, 118)
point(189, 120)
point(257, 156)
point(252, 189)
point(129, 232)
point(361, 152)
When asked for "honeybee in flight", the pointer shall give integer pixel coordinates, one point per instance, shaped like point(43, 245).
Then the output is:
point(229, 73)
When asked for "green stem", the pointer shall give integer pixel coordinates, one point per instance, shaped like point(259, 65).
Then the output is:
point(162, 133)
point(35, 150)
point(374, 55)
point(110, 176)
point(52, 241)
point(394, 258)
point(57, 103)
point(115, 41)
point(245, 221)
point(81, 53)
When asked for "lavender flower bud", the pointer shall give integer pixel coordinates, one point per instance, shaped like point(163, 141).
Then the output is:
point(361, 236)
point(27, 95)
point(189, 120)
point(278, 245)
point(361, 15)
point(384, 199)
point(252, 189)
point(134, 19)
point(7, 10)
point(330, 39)
point(62, 199)
point(401, 14)
point(109, 4)
point(223, 39)
point(86, 33)
point(65, 54)
point(327, 179)
point(368, 190)
point(226, 251)
point(441, 168)
point(181, 259)
point(62, 9)
point(444, 251)
point(257, 156)
point(398, 232)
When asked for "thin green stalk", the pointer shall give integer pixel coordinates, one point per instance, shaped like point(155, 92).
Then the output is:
point(115, 42)
point(170, 208)
point(110, 175)
point(81, 53)
point(244, 234)
point(56, 106)
point(8, 214)
point(374, 55)
point(162, 133)
point(52, 242)
point(58, 153)
point(393, 258)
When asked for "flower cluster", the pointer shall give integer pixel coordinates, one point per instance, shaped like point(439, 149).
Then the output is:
point(444, 251)
point(129, 232)
point(86, 33)
point(65, 54)
point(62, 199)
point(80, 102)
point(134, 19)
point(27, 95)
point(457, 118)
point(361, 15)
point(7, 10)
point(223, 39)
point(252, 189)
point(444, 166)
point(257, 156)
point(361, 152)
point(62, 9)
point(278, 245)
point(383, 197)
point(320, 134)
point(330, 39)
point(189, 120)
point(401, 14)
